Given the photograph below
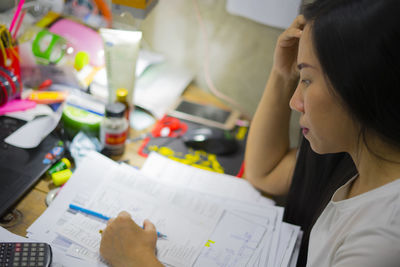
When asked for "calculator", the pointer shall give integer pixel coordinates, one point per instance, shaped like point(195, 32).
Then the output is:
point(25, 254)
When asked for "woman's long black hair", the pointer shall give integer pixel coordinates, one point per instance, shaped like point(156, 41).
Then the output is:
point(357, 43)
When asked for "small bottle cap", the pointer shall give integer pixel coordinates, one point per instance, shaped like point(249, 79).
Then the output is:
point(81, 60)
point(66, 162)
point(115, 110)
point(122, 94)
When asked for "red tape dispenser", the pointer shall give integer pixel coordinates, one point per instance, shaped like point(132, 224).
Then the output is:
point(169, 127)
point(166, 127)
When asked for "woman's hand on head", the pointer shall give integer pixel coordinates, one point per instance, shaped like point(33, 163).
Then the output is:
point(285, 56)
point(124, 243)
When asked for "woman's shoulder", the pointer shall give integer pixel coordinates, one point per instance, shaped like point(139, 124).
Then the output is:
point(361, 231)
point(372, 246)
point(387, 195)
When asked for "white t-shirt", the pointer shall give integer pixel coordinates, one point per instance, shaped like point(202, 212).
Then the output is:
point(362, 231)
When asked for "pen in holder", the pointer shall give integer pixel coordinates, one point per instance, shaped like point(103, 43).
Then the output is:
point(10, 73)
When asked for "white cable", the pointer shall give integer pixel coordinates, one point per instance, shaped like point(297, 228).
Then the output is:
point(206, 65)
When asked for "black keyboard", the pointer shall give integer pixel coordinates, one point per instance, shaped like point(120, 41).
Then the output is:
point(21, 168)
point(7, 127)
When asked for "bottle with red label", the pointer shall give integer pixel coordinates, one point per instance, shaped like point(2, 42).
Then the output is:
point(113, 130)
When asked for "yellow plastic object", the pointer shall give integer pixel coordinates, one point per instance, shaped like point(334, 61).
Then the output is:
point(82, 58)
point(196, 158)
point(61, 177)
point(49, 18)
point(47, 97)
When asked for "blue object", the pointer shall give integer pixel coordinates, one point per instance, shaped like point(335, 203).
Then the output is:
point(90, 212)
point(101, 216)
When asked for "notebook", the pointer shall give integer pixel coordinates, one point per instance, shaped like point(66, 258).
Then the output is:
point(21, 168)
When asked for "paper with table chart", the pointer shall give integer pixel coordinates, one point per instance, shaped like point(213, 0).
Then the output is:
point(203, 229)
point(186, 228)
point(231, 194)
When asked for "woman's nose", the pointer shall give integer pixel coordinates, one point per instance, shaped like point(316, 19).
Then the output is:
point(296, 102)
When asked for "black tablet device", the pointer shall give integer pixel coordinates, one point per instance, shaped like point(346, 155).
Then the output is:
point(205, 114)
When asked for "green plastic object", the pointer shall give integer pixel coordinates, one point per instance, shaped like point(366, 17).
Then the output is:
point(49, 47)
point(75, 119)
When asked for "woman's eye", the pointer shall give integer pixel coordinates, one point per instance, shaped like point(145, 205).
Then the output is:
point(305, 81)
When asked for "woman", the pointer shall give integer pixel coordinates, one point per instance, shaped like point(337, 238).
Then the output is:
point(347, 105)
point(344, 57)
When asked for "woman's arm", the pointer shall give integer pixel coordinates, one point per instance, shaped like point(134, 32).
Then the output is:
point(269, 160)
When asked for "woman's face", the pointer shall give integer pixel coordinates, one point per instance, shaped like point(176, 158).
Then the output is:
point(324, 121)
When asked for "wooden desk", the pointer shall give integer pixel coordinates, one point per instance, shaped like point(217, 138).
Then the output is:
point(33, 204)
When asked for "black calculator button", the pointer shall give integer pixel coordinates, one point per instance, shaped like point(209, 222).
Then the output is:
point(25, 254)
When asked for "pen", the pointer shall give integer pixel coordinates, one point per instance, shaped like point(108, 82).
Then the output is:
point(90, 212)
point(101, 216)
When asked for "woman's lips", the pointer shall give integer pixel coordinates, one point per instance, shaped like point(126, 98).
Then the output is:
point(304, 130)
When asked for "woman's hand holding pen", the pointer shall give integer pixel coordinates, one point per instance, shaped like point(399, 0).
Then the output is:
point(124, 243)
point(285, 56)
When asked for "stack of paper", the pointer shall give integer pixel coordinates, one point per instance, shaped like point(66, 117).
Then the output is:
point(210, 219)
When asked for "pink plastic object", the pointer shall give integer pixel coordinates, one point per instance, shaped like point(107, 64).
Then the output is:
point(82, 38)
point(17, 105)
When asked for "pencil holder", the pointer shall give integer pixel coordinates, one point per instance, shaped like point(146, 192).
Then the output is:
point(10, 75)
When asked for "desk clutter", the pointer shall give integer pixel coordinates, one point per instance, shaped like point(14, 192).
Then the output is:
point(194, 144)
point(54, 85)
point(210, 219)
point(67, 96)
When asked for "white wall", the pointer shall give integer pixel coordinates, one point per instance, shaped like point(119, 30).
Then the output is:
point(241, 50)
